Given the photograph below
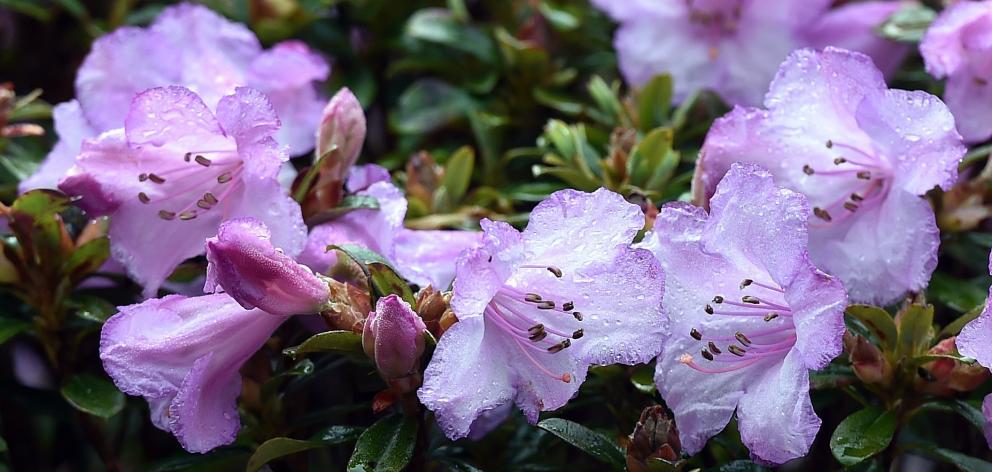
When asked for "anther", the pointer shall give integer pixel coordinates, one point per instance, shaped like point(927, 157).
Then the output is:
point(713, 348)
point(187, 215)
point(568, 306)
point(850, 206)
point(532, 297)
point(578, 334)
point(830, 144)
point(706, 355)
point(708, 309)
point(203, 204)
point(555, 270)
point(737, 351)
point(203, 161)
point(771, 316)
point(840, 160)
point(696, 334)
point(864, 175)
point(187, 156)
point(142, 177)
point(742, 339)
point(143, 198)
point(560, 346)
point(166, 215)
point(808, 170)
point(536, 328)
point(822, 214)
point(745, 283)
point(546, 305)
point(577, 315)
point(156, 179)
point(718, 299)
point(210, 198)
point(855, 197)
point(537, 337)
point(750, 299)
point(224, 178)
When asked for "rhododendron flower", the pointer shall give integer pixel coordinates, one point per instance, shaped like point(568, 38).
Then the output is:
point(175, 172)
point(191, 46)
point(393, 337)
point(975, 341)
point(183, 355)
point(244, 263)
point(957, 46)
point(862, 154)
point(537, 308)
point(734, 46)
point(750, 316)
point(421, 256)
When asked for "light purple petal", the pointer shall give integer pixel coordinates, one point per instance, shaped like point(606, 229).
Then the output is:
point(167, 115)
point(973, 341)
point(987, 412)
point(428, 257)
point(944, 46)
point(95, 175)
point(777, 421)
point(649, 48)
point(72, 128)
point(249, 118)
point(818, 302)
point(481, 271)
point(853, 26)
point(362, 177)
point(971, 103)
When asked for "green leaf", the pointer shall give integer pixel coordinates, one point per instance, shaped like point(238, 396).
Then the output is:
point(428, 105)
point(878, 321)
point(654, 103)
point(386, 446)
point(434, 25)
point(954, 327)
point(279, 447)
point(94, 395)
point(347, 205)
point(915, 330)
point(606, 99)
point(91, 308)
point(329, 341)
point(10, 327)
point(862, 435)
point(650, 160)
point(963, 408)
point(959, 294)
point(737, 466)
point(457, 175)
point(963, 461)
point(387, 282)
point(87, 258)
point(591, 442)
point(908, 24)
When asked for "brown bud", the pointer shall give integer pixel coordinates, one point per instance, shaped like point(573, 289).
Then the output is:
point(948, 376)
point(423, 176)
point(348, 307)
point(431, 306)
point(656, 437)
point(869, 363)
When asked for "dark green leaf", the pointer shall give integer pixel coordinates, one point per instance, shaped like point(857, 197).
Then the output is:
point(428, 105)
point(878, 321)
point(964, 462)
point(961, 295)
point(347, 205)
point(967, 411)
point(438, 26)
point(92, 308)
point(278, 447)
point(908, 24)
point(954, 327)
point(386, 446)
point(387, 282)
point(737, 466)
point(915, 330)
point(87, 258)
point(591, 442)
point(94, 395)
point(862, 435)
point(654, 102)
point(329, 341)
point(10, 327)
point(457, 175)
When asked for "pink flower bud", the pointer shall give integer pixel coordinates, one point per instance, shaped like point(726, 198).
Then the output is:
point(243, 263)
point(342, 127)
point(394, 336)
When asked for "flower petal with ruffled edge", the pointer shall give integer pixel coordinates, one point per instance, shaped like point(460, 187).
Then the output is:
point(537, 308)
point(425, 257)
point(72, 128)
point(741, 292)
point(183, 355)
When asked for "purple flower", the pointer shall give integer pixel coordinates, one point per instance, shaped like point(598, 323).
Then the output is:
point(421, 256)
point(183, 355)
point(957, 46)
point(191, 46)
point(974, 341)
point(861, 153)
point(734, 46)
point(537, 308)
point(750, 316)
point(175, 172)
point(394, 338)
point(342, 127)
point(243, 263)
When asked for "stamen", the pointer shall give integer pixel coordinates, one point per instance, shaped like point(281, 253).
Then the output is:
point(745, 283)
point(143, 198)
point(532, 297)
point(568, 306)
point(706, 354)
point(187, 156)
point(737, 351)
point(142, 177)
point(210, 198)
point(771, 316)
point(864, 175)
point(538, 337)
point(560, 346)
point(840, 160)
point(578, 334)
point(577, 315)
point(856, 197)
point(808, 170)
point(166, 215)
point(742, 339)
point(187, 215)
point(850, 206)
point(718, 299)
point(696, 334)
point(538, 328)
point(224, 178)
point(822, 214)
point(555, 270)
point(830, 144)
point(563, 377)
point(203, 204)
point(750, 299)
point(155, 179)
point(546, 305)
point(709, 309)
point(713, 348)
point(203, 161)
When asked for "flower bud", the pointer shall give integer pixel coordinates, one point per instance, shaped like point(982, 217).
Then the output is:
point(869, 363)
point(394, 338)
point(431, 306)
point(654, 438)
point(342, 127)
point(243, 262)
point(948, 376)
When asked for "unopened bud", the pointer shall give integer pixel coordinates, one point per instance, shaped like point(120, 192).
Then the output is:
point(868, 362)
point(243, 262)
point(431, 306)
point(655, 437)
point(342, 128)
point(394, 338)
point(948, 376)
